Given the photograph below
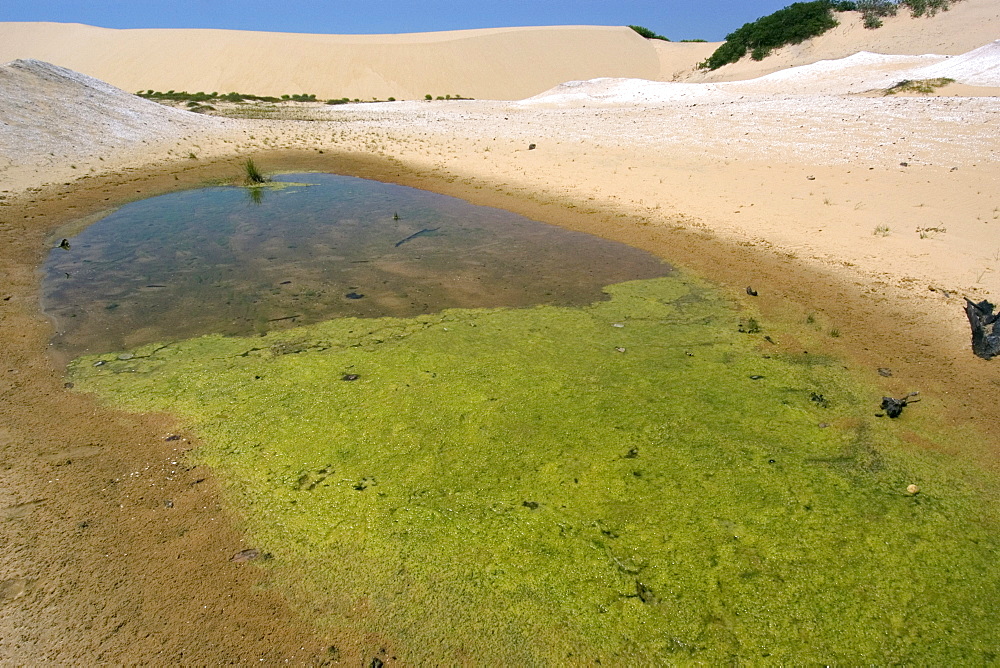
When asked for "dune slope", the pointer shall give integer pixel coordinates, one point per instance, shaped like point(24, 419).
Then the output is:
point(502, 63)
point(50, 114)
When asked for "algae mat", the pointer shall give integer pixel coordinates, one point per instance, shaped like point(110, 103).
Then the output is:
point(633, 480)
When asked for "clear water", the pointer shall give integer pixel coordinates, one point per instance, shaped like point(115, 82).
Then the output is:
point(234, 261)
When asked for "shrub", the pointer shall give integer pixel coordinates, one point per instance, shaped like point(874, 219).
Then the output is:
point(927, 7)
point(792, 25)
point(647, 33)
point(873, 11)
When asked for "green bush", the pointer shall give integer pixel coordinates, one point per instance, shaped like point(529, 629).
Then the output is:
point(647, 33)
point(791, 25)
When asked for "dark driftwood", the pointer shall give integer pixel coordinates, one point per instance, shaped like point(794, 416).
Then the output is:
point(985, 328)
point(894, 407)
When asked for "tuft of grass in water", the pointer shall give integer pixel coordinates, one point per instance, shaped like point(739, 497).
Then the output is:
point(252, 173)
point(627, 482)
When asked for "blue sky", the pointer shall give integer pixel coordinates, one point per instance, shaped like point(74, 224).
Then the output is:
point(676, 19)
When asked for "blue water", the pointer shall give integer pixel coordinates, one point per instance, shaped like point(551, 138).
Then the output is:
point(218, 260)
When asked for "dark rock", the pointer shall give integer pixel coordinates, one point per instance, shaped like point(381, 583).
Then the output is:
point(531, 147)
point(885, 373)
point(350, 376)
point(354, 295)
point(531, 505)
point(64, 244)
point(985, 328)
point(751, 291)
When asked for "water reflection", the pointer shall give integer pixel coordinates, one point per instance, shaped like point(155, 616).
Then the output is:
point(237, 261)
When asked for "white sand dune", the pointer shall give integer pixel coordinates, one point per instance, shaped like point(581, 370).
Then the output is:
point(49, 114)
point(979, 67)
point(858, 73)
point(501, 63)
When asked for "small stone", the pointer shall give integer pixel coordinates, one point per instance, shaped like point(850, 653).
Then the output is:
point(244, 556)
point(617, 324)
point(350, 376)
point(912, 489)
point(885, 373)
point(126, 356)
point(756, 377)
point(619, 349)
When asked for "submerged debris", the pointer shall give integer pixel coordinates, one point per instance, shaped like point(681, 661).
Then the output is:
point(425, 231)
point(985, 328)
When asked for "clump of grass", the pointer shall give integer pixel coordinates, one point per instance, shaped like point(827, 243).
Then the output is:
point(648, 34)
point(881, 231)
point(252, 173)
point(928, 232)
point(925, 86)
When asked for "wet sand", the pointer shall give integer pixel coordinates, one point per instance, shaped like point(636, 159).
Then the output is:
point(117, 554)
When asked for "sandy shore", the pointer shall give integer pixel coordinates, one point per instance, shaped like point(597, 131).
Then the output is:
point(874, 214)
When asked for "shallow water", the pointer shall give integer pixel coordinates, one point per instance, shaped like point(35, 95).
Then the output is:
point(633, 481)
point(239, 261)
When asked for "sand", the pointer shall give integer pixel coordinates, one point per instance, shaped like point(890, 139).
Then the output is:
point(875, 214)
point(501, 63)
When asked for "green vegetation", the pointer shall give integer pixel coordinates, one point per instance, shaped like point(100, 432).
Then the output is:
point(874, 11)
point(252, 173)
point(648, 34)
point(791, 25)
point(303, 97)
point(632, 482)
point(924, 86)
point(803, 20)
point(184, 96)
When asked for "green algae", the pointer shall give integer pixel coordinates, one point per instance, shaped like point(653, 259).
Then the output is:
point(634, 480)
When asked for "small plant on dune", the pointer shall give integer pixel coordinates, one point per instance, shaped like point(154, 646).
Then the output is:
point(648, 34)
point(925, 86)
point(873, 11)
point(252, 173)
point(881, 231)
